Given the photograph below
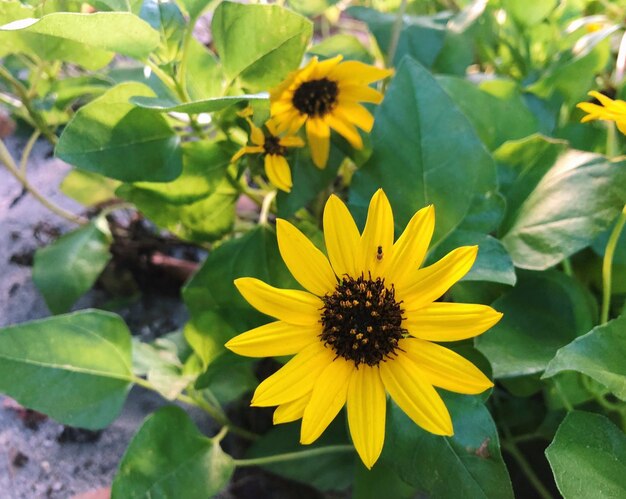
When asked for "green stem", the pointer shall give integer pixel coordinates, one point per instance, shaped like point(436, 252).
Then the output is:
point(290, 456)
point(214, 412)
point(607, 265)
point(395, 34)
point(612, 144)
point(34, 115)
point(9, 163)
point(567, 267)
point(513, 450)
point(27, 150)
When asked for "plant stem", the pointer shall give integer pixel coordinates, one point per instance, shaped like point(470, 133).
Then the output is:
point(607, 265)
point(265, 207)
point(395, 34)
point(512, 449)
point(27, 150)
point(290, 456)
point(9, 163)
point(566, 403)
point(214, 412)
point(22, 93)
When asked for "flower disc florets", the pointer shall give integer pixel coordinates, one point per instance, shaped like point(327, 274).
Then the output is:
point(362, 321)
point(272, 146)
point(316, 97)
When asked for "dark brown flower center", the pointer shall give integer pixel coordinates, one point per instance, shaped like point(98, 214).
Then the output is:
point(272, 146)
point(362, 321)
point(316, 97)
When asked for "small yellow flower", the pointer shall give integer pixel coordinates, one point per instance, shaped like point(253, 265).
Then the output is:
point(610, 110)
point(364, 327)
point(273, 147)
point(325, 95)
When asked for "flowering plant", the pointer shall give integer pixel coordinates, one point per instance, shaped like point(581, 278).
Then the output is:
point(410, 244)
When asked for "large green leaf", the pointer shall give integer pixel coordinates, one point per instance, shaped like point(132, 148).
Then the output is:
point(90, 40)
point(588, 457)
point(75, 367)
point(421, 37)
point(599, 354)
point(204, 73)
point(260, 44)
point(326, 472)
point(200, 106)
point(547, 225)
point(169, 457)
point(468, 464)
point(67, 269)
point(424, 151)
point(218, 311)
point(545, 311)
point(167, 19)
point(112, 137)
point(508, 117)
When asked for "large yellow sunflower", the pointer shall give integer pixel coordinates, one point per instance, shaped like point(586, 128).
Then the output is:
point(326, 95)
point(274, 149)
point(610, 110)
point(365, 326)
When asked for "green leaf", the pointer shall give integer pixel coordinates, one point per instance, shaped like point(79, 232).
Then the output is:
point(76, 367)
point(90, 40)
point(468, 464)
point(324, 472)
point(202, 106)
point(260, 44)
point(424, 151)
point(169, 457)
point(114, 138)
point(588, 457)
point(599, 354)
point(308, 180)
point(545, 311)
point(229, 377)
point(167, 19)
point(347, 45)
point(195, 7)
point(421, 37)
point(204, 73)
point(493, 263)
point(70, 266)
point(508, 117)
point(380, 481)
point(218, 312)
point(548, 227)
point(529, 12)
point(88, 188)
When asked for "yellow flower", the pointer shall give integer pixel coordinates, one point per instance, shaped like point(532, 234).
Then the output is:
point(326, 95)
point(365, 326)
point(610, 110)
point(273, 147)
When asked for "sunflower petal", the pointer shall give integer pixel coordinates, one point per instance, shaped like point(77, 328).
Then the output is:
point(318, 133)
point(327, 399)
point(408, 387)
point(367, 406)
point(446, 369)
point(323, 68)
point(450, 321)
point(278, 171)
point(256, 135)
point(426, 285)
point(295, 379)
point(345, 129)
point(291, 141)
point(377, 237)
point(410, 249)
point(245, 150)
point(341, 236)
point(358, 93)
point(292, 306)
point(353, 112)
point(358, 72)
point(290, 411)
point(308, 265)
point(274, 339)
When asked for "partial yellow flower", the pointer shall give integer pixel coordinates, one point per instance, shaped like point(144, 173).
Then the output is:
point(325, 95)
point(274, 148)
point(365, 326)
point(610, 110)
